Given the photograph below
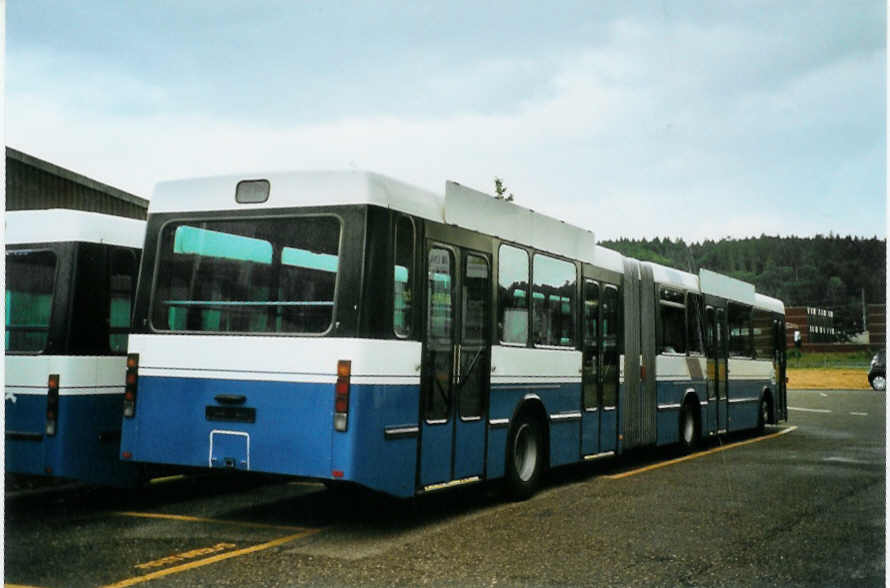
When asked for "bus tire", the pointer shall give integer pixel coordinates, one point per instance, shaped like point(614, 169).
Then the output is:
point(763, 413)
point(690, 430)
point(525, 459)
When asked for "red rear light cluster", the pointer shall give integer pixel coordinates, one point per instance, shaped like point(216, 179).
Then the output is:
point(341, 395)
point(132, 383)
point(52, 404)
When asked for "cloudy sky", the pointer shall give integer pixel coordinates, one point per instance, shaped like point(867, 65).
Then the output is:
point(638, 119)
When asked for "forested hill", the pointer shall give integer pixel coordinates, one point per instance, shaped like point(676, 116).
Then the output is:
point(814, 271)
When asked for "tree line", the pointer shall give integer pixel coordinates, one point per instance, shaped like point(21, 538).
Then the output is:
point(825, 271)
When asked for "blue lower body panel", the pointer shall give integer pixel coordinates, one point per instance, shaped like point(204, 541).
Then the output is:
point(84, 447)
point(291, 432)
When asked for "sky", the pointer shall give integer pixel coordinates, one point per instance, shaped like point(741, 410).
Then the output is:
point(632, 119)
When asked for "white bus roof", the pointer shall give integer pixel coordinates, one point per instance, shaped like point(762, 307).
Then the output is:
point(668, 276)
point(57, 225)
point(472, 209)
point(726, 287)
point(767, 303)
point(296, 189)
point(461, 206)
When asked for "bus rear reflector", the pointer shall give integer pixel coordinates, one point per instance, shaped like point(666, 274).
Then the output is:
point(132, 383)
point(341, 395)
point(52, 404)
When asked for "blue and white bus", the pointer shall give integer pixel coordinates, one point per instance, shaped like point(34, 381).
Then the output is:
point(70, 280)
point(347, 326)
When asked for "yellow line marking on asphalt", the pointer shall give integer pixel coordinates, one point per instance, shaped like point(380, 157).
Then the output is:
point(210, 560)
point(188, 519)
point(178, 557)
point(664, 464)
point(18, 586)
point(165, 479)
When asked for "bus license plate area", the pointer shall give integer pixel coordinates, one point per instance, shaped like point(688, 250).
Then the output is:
point(230, 414)
point(229, 450)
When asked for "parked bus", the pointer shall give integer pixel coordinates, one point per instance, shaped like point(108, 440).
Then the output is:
point(70, 279)
point(345, 326)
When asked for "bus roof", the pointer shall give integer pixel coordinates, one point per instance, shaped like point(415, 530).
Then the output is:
point(296, 189)
point(57, 225)
point(726, 287)
point(461, 206)
point(767, 303)
point(668, 276)
point(472, 209)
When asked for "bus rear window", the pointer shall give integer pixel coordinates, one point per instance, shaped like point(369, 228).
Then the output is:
point(247, 276)
point(29, 298)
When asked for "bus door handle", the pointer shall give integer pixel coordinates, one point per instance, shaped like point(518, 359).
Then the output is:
point(455, 365)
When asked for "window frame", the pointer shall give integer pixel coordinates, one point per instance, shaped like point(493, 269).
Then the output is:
point(528, 294)
point(669, 297)
point(112, 253)
point(696, 318)
point(573, 310)
point(217, 217)
point(731, 311)
point(56, 290)
point(412, 275)
point(617, 343)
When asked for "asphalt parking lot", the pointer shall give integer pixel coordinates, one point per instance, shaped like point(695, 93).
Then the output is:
point(801, 505)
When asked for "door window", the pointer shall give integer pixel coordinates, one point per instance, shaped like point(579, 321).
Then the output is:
point(439, 334)
point(591, 342)
point(474, 336)
point(610, 345)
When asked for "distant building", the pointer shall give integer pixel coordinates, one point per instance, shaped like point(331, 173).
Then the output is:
point(35, 184)
point(876, 324)
point(816, 325)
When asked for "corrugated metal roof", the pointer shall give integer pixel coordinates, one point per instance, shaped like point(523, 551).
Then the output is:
point(35, 184)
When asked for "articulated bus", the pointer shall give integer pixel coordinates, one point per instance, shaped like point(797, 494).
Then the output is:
point(345, 326)
point(70, 281)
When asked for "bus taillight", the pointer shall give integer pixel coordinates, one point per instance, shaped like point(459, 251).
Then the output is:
point(131, 385)
point(341, 395)
point(52, 404)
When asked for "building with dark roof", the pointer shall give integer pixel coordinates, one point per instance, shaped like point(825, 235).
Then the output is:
point(35, 184)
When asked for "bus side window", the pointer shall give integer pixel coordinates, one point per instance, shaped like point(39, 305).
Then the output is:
point(403, 279)
point(512, 295)
point(762, 328)
point(693, 324)
point(673, 322)
point(121, 280)
point(553, 301)
point(740, 339)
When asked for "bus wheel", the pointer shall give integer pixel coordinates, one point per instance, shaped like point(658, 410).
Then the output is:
point(689, 431)
point(763, 414)
point(524, 458)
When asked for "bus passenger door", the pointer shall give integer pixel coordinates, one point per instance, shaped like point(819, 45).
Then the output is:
point(722, 372)
point(455, 368)
point(591, 371)
point(474, 373)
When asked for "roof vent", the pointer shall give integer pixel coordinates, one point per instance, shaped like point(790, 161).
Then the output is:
point(252, 191)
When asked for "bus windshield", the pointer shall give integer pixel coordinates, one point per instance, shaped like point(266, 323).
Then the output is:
point(30, 277)
point(271, 275)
